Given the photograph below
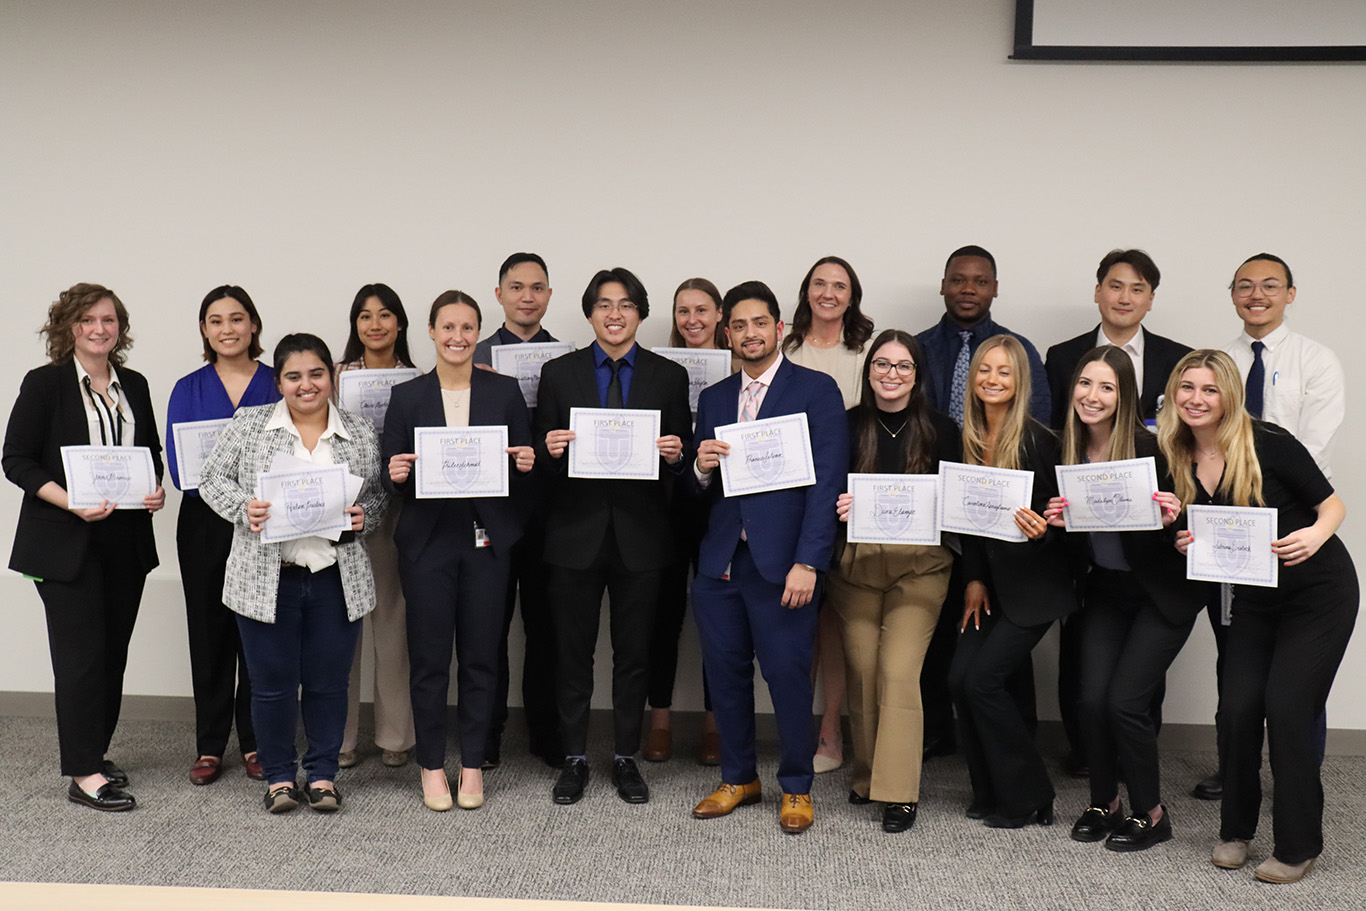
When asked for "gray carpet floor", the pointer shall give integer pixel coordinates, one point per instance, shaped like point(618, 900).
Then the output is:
point(520, 845)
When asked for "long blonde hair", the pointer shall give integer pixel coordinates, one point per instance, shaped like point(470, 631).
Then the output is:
point(1006, 452)
point(1125, 423)
point(1242, 481)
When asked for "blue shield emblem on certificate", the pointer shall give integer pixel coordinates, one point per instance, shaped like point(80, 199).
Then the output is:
point(111, 479)
point(982, 504)
point(764, 456)
point(304, 505)
point(613, 446)
point(1107, 501)
point(1232, 548)
point(893, 510)
point(460, 463)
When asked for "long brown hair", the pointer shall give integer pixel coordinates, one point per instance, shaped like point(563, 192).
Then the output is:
point(1006, 452)
point(706, 287)
point(857, 328)
point(66, 311)
point(918, 443)
point(1242, 480)
point(1126, 423)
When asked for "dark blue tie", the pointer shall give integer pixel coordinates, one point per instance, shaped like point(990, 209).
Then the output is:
point(1256, 381)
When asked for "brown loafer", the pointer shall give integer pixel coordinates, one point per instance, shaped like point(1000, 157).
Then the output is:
point(796, 814)
point(253, 767)
point(206, 770)
point(709, 752)
point(726, 798)
point(659, 745)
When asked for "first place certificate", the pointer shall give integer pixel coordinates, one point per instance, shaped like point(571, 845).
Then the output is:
point(772, 454)
point(705, 366)
point(457, 462)
point(194, 440)
point(616, 443)
point(894, 509)
point(123, 475)
point(977, 500)
point(524, 363)
point(1110, 496)
point(367, 391)
point(305, 501)
point(1232, 544)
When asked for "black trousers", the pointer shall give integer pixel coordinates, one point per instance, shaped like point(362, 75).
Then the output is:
point(89, 625)
point(576, 597)
point(454, 597)
point(669, 615)
point(1125, 652)
point(218, 669)
point(1279, 663)
point(1072, 637)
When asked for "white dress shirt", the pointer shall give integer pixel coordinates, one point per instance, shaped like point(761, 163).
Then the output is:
point(314, 551)
point(1133, 347)
point(109, 426)
point(764, 380)
point(1305, 390)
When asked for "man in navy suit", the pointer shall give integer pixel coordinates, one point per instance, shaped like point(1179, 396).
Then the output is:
point(763, 559)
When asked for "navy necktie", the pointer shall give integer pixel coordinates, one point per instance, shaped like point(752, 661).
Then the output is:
point(614, 399)
point(1256, 381)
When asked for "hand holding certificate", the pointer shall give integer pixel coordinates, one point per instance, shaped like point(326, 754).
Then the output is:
point(458, 462)
point(617, 443)
point(367, 391)
point(305, 501)
point(894, 509)
point(772, 454)
point(977, 500)
point(1232, 544)
point(524, 362)
point(121, 475)
point(1110, 496)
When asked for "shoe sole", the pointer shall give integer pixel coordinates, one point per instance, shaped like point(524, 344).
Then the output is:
point(95, 806)
point(745, 802)
point(1089, 838)
point(1225, 865)
point(1156, 840)
point(633, 798)
point(565, 800)
point(1282, 880)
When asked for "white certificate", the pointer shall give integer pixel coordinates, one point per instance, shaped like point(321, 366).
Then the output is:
point(366, 392)
point(123, 475)
point(772, 454)
point(454, 462)
point(524, 362)
point(1110, 496)
point(894, 509)
point(194, 440)
point(977, 500)
point(705, 367)
point(1232, 544)
point(305, 501)
point(617, 443)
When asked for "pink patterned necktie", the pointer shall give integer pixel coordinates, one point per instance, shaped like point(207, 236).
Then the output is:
point(749, 411)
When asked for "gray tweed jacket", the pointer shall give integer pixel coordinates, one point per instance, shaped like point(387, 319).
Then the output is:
point(228, 481)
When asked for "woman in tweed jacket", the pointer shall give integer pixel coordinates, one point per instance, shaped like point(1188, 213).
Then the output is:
point(299, 603)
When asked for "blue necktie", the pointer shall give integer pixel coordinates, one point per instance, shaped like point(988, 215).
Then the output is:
point(959, 385)
point(1256, 381)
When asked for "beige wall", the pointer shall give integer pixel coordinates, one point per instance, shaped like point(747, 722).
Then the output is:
point(302, 149)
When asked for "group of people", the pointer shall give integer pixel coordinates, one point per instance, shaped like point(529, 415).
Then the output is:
point(929, 643)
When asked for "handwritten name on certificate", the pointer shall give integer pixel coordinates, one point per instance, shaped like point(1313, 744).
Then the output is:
point(367, 391)
point(524, 362)
point(123, 475)
point(305, 501)
point(615, 443)
point(194, 440)
point(455, 462)
point(772, 454)
point(1110, 496)
point(977, 500)
point(705, 366)
point(894, 509)
point(1232, 544)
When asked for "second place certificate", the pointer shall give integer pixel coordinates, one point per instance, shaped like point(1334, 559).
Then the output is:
point(977, 500)
point(616, 443)
point(456, 462)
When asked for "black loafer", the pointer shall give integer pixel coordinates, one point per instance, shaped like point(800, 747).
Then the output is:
point(1096, 823)
point(324, 800)
point(630, 786)
point(573, 778)
point(282, 800)
point(108, 798)
point(1212, 788)
point(117, 776)
point(1139, 832)
point(858, 799)
point(898, 817)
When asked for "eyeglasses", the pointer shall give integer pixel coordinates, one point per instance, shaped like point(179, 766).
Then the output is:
point(1245, 288)
point(625, 308)
point(882, 367)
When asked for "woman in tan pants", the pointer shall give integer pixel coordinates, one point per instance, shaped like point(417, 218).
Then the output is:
point(888, 596)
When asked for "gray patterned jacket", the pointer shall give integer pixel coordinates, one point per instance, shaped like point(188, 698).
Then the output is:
point(228, 481)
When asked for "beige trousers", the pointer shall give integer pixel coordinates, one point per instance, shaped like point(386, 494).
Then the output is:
point(888, 599)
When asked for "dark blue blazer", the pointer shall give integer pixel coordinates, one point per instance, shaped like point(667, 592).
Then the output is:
point(494, 399)
point(783, 527)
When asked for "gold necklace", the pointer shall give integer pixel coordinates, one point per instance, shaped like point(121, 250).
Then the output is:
point(893, 434)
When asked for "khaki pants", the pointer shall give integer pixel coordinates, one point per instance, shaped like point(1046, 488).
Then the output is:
point(888, 598)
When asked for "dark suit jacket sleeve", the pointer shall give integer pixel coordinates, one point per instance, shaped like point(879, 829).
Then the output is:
point(29, 423)
point(551, 414)
point(830, 452)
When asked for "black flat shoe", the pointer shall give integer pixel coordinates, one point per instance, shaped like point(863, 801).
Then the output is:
point(1096, 823)
point(108, 798)
point(978, 809)
point(1042, 816)
point(1212, 788)
point(1139, 832)
point(117, 776)
point(858, 799)
point(282, 800)
point(630, 786)
point(573, 778)
point(898, 817)
point(324, 800)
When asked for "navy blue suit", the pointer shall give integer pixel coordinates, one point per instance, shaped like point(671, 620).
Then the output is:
point(742, 617)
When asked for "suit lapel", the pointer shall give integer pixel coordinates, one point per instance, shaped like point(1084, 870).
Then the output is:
point(642, 383)
point(586, 379)
point(1153, 380)
point(430, 411)
point(773, 399)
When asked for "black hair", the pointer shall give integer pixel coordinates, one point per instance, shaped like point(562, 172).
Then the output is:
point(240, 295)
point(300, 343)
point(388, 299)
point(972, 250)
point(635, 291)
point(446, 298)
point(750, 290)
point(517, 259)
point(1141, 262)
point(857, 327)
point(1272, 258)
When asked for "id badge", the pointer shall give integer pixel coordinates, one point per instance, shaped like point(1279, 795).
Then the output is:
point(725, 576)
point(481, 537)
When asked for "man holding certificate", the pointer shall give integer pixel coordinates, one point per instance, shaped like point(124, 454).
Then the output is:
point(606, 529)
point(762, 559)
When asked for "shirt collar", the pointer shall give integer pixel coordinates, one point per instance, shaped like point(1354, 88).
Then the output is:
point(984, 328)
point(765, 378)
point(280, 420)
point(600, 356)
point(506, 337)
point(1271, 339)
point(82, 376)
point(1133, 346)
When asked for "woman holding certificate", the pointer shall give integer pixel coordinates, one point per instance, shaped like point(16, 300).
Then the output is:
point(230, 329)
point(298, 576)
point(1285, 642)
point(1015, 590)
point(89, 562)
point(455, 536)
point(888, 596)
point(1138, 610)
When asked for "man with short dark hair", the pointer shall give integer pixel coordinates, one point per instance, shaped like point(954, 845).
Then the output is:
point(524, 293)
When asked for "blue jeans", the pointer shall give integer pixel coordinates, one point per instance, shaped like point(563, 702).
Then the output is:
point(310, 645)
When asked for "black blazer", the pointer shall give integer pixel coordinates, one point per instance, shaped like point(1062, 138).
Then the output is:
point(1033, 582)
point(580, 509)
point(51, 542)
point(494, 399)
point(1160, 356)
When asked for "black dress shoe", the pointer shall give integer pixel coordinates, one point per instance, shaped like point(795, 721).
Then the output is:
point(858, 799)
point(117, 776)
point(107, 798)
point(1212, 788)
point(493, 754)
point(1043, 816)
point(630, 786)
point(979, 809)
point(1139, 832)
point(898, 817)
point(573, 778)
point(1096, 823)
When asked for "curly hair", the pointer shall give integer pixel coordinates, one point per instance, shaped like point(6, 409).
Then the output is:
point(66, 312)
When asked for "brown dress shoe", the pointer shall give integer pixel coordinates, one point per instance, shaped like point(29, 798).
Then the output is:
point(253, 767)
point(726, 798)
point(659, 745)
point(796, 814)
point(206, 770)
point(709, 752)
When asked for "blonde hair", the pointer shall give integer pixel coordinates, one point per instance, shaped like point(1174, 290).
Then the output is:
point(1242, 481)
point(1125, 423)
point(1006, 451)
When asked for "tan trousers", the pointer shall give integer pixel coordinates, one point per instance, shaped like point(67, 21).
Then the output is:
point(386, 632)
point(888, 599)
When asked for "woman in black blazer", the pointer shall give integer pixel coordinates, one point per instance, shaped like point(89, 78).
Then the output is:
point(1014, 592)
point(454, 554)
point(89, 564)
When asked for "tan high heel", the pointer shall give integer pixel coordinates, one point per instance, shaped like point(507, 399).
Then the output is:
point(469, 801)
